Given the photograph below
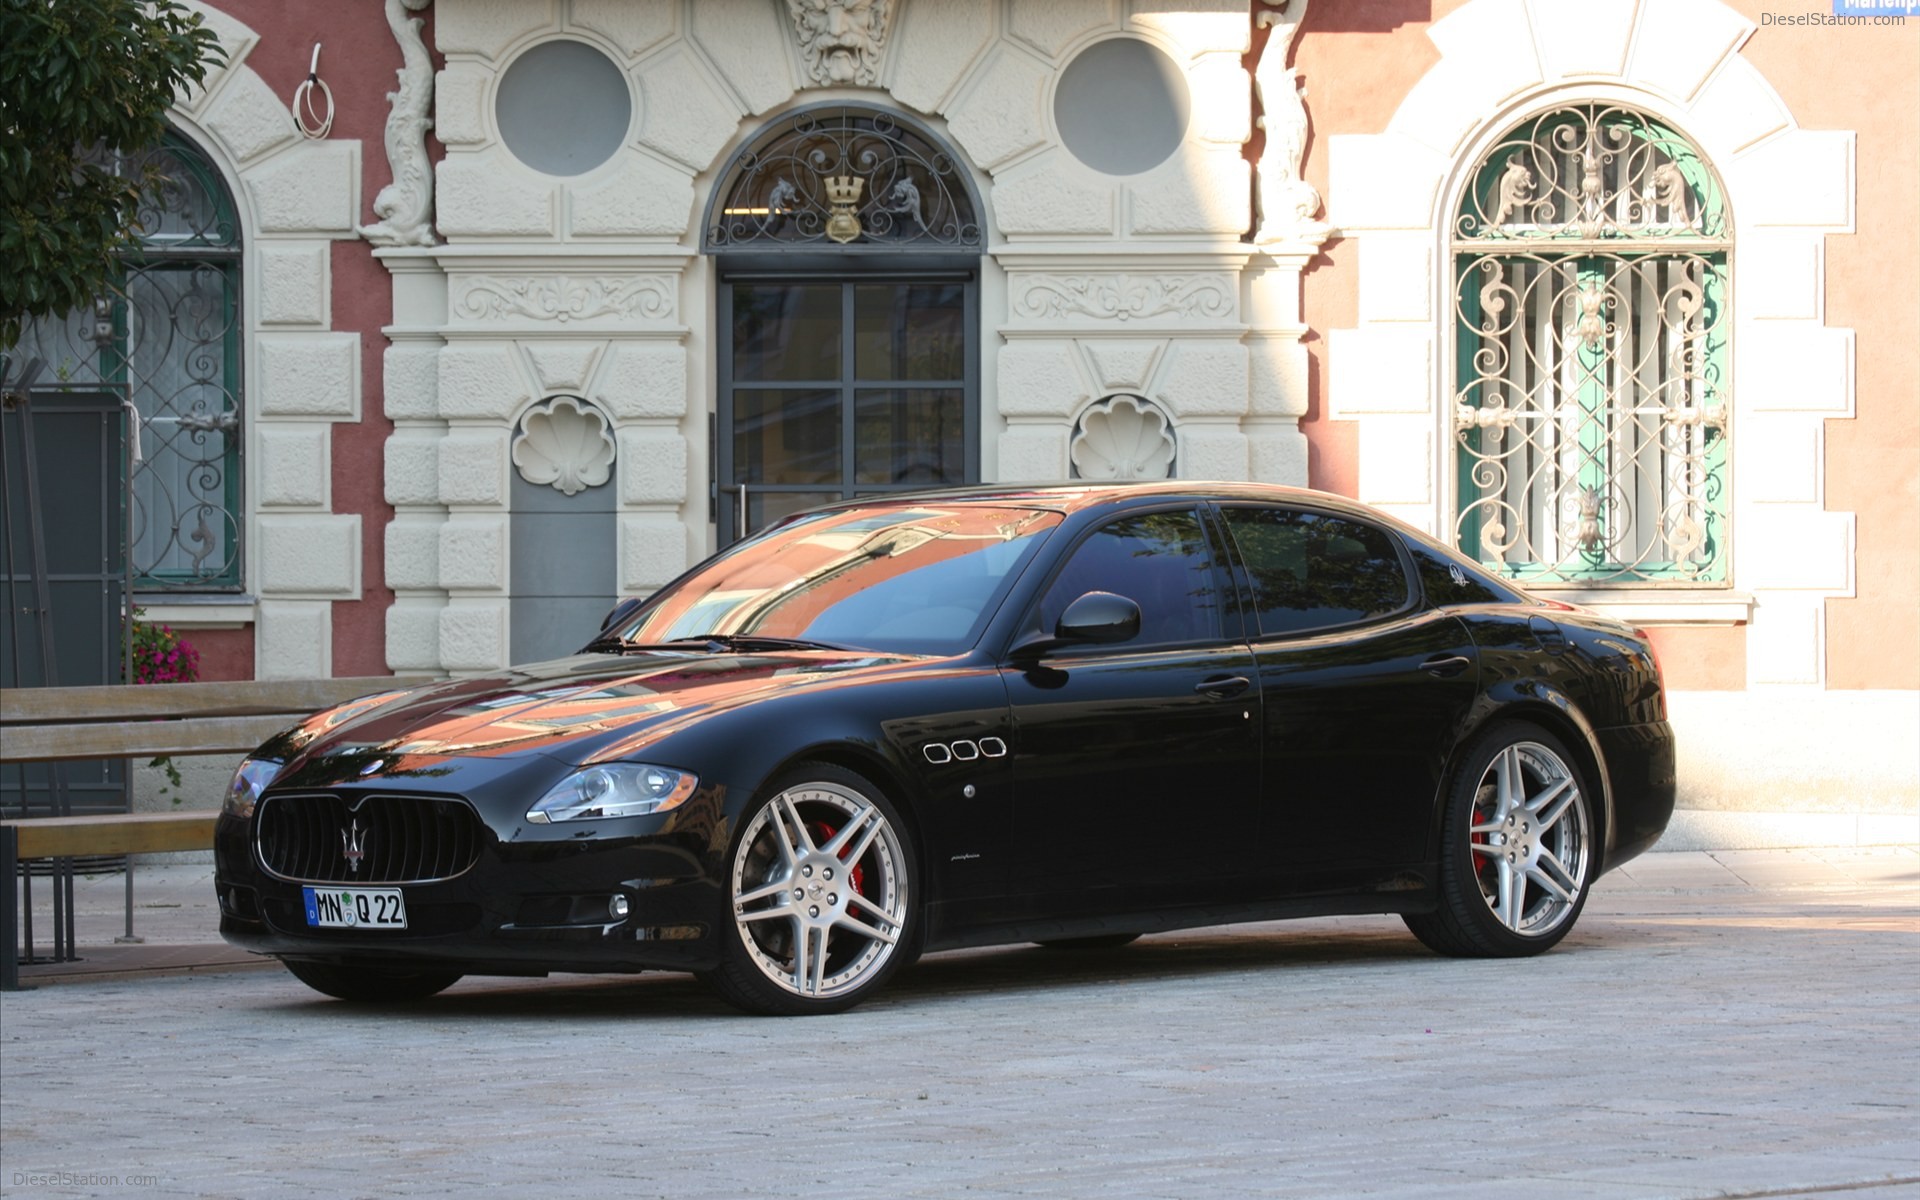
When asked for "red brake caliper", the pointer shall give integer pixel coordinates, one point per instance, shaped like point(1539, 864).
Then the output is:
point(822, 834)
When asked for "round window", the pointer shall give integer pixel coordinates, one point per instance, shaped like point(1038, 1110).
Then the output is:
point(1121, 106)
point(564, 108)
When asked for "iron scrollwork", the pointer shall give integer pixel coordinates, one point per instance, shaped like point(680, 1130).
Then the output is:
point(847, 176)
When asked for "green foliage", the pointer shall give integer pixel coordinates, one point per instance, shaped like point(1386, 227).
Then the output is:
point(81, 81)
point(162, 656)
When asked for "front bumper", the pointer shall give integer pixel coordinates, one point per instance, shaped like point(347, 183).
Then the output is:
point(530, 905)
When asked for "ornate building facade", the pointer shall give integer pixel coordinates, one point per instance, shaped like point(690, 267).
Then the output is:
point(575, 292)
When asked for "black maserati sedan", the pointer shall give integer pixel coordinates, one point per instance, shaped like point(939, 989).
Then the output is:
point(1062, 714)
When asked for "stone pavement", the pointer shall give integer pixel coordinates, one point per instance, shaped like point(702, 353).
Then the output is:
point(1729, 1024)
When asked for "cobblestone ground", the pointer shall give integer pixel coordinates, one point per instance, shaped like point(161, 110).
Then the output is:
point(1719, 1025)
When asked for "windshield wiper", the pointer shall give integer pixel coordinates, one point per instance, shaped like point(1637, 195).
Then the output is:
point(752, 641)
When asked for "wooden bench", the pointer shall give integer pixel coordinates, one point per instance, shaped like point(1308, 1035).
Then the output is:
point(67, 724)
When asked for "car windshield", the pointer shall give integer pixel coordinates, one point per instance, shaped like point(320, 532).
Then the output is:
point(920, 579)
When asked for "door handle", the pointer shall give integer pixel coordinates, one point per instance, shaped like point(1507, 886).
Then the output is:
point(1223, 687)
point(1446, 665)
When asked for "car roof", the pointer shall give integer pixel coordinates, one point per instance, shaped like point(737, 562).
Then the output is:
point(1076, 495)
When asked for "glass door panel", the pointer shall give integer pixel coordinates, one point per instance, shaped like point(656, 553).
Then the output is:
point(910, 331)
point(909, 435)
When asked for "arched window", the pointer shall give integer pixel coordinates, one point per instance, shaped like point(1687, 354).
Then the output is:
point(169, 329)
point(849, 251)
point(1591, 323)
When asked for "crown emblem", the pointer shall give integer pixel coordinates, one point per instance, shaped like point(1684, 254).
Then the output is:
point(843, 192)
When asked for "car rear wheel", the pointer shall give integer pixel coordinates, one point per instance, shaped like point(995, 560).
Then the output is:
point(822, 896)
point(372, 985)
point(1516, 849)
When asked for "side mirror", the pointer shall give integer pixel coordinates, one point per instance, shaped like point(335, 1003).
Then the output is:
point(1095, 618)
point(620, 612)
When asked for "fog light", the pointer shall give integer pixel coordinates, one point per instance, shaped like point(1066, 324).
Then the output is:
point(617, 908)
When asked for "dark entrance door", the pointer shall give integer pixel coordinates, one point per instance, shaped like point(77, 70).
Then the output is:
point(836, 387)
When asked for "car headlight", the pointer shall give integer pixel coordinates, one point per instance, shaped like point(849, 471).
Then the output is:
point(614, 790)
point(249, 781)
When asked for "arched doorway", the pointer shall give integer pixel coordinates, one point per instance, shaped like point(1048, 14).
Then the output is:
point(848, 247)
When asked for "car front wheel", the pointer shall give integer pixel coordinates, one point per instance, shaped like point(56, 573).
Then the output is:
point(821, 895)
point(1516, 848)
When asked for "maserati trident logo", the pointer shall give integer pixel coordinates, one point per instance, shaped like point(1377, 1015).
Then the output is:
point(353, 845)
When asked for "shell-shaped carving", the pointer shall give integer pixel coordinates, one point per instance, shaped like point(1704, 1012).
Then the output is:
point(1123, 437)
point(565, 443)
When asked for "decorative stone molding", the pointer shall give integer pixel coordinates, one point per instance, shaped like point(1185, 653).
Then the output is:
point(1288, 207)
point(1120, 297)
point(841, 39)
point(566, 443)
point(1122, 437)
point(563, 298)
point(405, 206)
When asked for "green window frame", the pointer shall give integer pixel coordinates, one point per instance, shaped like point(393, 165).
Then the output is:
point(1591, 401)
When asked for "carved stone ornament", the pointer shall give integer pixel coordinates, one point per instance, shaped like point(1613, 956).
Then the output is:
point(841, 39)
point(1122, 437)
point(1287, 204)
point(1124, 297)
point(405, 206)
point(565, 443)
point(563, 298)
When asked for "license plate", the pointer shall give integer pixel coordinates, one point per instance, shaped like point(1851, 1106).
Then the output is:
point(355, 908)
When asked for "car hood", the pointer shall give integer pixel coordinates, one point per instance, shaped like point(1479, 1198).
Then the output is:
point(572, 709)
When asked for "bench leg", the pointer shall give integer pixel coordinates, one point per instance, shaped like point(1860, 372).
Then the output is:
point(9, 904)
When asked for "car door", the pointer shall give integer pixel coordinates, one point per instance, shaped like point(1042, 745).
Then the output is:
point(1364, 691)
point(1137, 763)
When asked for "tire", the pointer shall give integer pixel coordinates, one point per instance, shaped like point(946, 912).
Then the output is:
point(372, 985)
point(1516, 848)
point(822, 894)
point(1100, 941)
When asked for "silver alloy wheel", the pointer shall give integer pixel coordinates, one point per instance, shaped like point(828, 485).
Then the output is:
point(1529, 839)
point(819, 890)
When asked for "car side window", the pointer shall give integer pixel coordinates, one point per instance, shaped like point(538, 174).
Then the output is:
point(1447, 582)
point(1161, 561)
point(1311, 570)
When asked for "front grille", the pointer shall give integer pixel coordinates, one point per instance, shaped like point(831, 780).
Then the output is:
point(399, 839)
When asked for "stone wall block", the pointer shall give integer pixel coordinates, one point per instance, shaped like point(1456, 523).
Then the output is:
point(1382, 182)
point(1590, 38)
point(309, 557)
point(1396, 460)
point(1396, 277)
point(413, 467)
point(295, 465)
point(1204, 377)
point(748, 42)
point(309, 375)
point(1785, 641)
point(562, 366)
point(1033, 454)
point(1219, 86)
point(1780, 276)
point(473, 467)
point(1681, 42)
point(1204, 188)
point(1737, 108)
point(643, 197)
point(1793, 366)
point(1122, 365)
point(1212, 452)
point(653, 550)
point(294, 281)
point(248, 119)
point(460, 116)
point(1000, 116)
point(473, 553)
point(1278, 456)
point(643, 380)
point(412, 381)
point(413, 635)
point(1200, 26)
point(1381, 369)
point(293, 640)
point(313, 187)
point(1052, 195)
point(488, 27)
point(481, 380)
point(1803, 177)
point(1793, 549)
point(413, 552)
point(473, 635)
point(933, 45)
point(491, 195)
point(1040, 378)
point(652, 466)
point(236, 40)
point(1051, 27)
point(1279, 381)
point(1780, 458)
point(684, 115)
point(635, 26)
